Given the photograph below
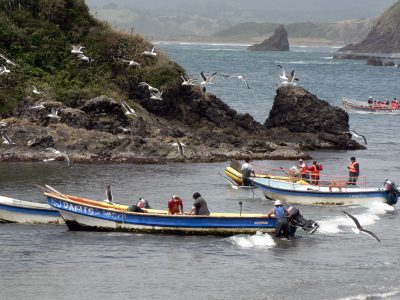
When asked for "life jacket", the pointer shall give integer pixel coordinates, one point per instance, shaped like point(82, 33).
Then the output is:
point(279, 212)
point(352, 167)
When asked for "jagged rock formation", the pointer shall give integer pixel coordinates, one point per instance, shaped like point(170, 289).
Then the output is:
point(384, 37)
point(297, 112)
point(277, 42)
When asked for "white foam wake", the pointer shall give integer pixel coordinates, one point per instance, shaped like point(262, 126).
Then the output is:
point(258, 240)
point(378, 295)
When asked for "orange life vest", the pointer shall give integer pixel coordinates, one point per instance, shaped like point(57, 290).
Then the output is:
point(352, 167)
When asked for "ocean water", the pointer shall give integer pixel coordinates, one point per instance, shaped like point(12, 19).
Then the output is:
point(49, 262)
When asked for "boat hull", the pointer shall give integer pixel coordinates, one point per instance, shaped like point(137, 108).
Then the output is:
point(18, 211)
point(314, 195)
point(365, 108)
point(84, 216)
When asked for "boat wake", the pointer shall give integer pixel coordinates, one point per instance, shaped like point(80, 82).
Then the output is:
point(372, 214)
point(378, 295)
point(258, 240)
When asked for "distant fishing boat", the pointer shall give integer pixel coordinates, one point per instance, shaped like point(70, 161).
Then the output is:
point(362, 106)
point(19, 211)
point(91, 215)
point(332, 194)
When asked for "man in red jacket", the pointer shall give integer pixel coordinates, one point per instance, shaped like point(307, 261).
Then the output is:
point(315, 169)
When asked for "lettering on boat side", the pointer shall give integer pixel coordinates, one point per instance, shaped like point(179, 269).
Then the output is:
point(73, 207)
point(261, 223)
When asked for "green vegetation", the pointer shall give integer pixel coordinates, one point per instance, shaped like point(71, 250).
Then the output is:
point(38, 35)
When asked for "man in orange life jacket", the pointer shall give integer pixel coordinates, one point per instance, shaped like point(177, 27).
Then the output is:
point(314, 172)
point(354, 171)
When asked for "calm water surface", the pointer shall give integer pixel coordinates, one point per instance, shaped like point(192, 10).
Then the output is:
point(49, 262)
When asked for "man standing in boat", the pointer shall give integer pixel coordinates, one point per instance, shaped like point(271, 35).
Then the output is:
point(354, 171)
point(315, 169)
point(247, 170)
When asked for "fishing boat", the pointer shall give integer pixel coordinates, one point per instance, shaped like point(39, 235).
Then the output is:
point(19, 211)
point(234, 172)
point(362, 106)
point(333, 193)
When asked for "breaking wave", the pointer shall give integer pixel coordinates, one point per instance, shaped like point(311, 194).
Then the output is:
point(258, 240)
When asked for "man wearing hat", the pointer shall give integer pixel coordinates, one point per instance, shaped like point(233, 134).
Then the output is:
point(281, 214)
point(354, 171)
point(302, 166)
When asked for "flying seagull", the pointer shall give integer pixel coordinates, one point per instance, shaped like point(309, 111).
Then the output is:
point(124, 130)
point(282, 76)
point(36, 91)
point(4, 70)
point(287, 80)
point(6, 138)
point(151, 89)
point(360, 228)
point(54, 114)
point(207, 79)
point(77, 49)
point(85, 58)
point(180, 146)
point(38, 106)
point(7, 60)
point(352, 133)
point(150, 53)
point(129, 110)
point(131, 63)
point(240, 77)
point(3, 125)
point(187, 81)
point(58, 154)
point(156, 96)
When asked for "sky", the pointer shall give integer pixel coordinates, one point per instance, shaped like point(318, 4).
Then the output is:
point(283, 11)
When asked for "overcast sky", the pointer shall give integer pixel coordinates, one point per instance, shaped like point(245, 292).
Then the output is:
point(284, 11)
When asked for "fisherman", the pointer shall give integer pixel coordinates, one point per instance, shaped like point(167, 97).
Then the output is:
point(199, 206)
point(135, 208)
point(302, 166)
point(247, 170)
point(281, 214)
point(315, 169)
point(143, 203)
point(175, 205)
point(354, 171)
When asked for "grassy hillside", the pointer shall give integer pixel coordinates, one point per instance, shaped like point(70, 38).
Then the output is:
point(38, 35)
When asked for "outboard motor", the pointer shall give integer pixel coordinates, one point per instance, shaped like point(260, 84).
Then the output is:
point(297, 220)
point(394, 193)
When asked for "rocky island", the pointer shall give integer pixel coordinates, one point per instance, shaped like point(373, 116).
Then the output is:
point(277, 42)
point(91, 123)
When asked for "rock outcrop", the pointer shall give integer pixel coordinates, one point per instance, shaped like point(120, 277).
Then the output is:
point(298, 115)
point(384, 37)
point(277, 42)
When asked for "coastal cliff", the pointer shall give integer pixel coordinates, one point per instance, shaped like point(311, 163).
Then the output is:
point(277, 42)
point(91, 124)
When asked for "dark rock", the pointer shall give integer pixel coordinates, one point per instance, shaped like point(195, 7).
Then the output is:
point(277, 42)
point(389, 64)
point(42, 141)
point(374, 62)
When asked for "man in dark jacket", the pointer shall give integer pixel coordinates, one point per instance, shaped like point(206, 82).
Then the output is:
point(199, 206)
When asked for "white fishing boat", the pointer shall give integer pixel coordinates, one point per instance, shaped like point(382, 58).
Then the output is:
point(19, 211)
point(329, 194)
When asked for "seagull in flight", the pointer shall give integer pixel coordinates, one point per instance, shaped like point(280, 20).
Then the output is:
point(287, 80)
point(124, 130)
point(7, 60)
point(85, 58)
point(187, 81)
point(207, 79)
point(3, 125)
point(129, 110)
point(131, 63)
point(151, 89)
point(180, 146)
point(360, 228)
point(77, 49)
point(4, 70)
point(6, 138)
point(352, 133)
point(36, 91)
point(54, 114)
point(240, 77)
point(58, 154)
point(156, 96)
point(150, 53)
point(38, 106)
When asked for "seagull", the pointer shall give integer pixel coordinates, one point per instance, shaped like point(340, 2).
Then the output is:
point(85, 58)
point(7, 60)
point(36, 91)
point(180, 146)
point(150, 53)
point(187, 81)
point(360, 228)
point(156, 96)
point(287, 80)
point(59, 154)
point(4, 70)
point(283, 75)
point(352, 133)
point(151, 89)
point(207, 79)
point(129, 110)
point(54, 114)
point(131, 63)
point(240, 77)
point(124, 130)
point(38, 106)
point(3, 125)
point(77, 49)
point(6, 138)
